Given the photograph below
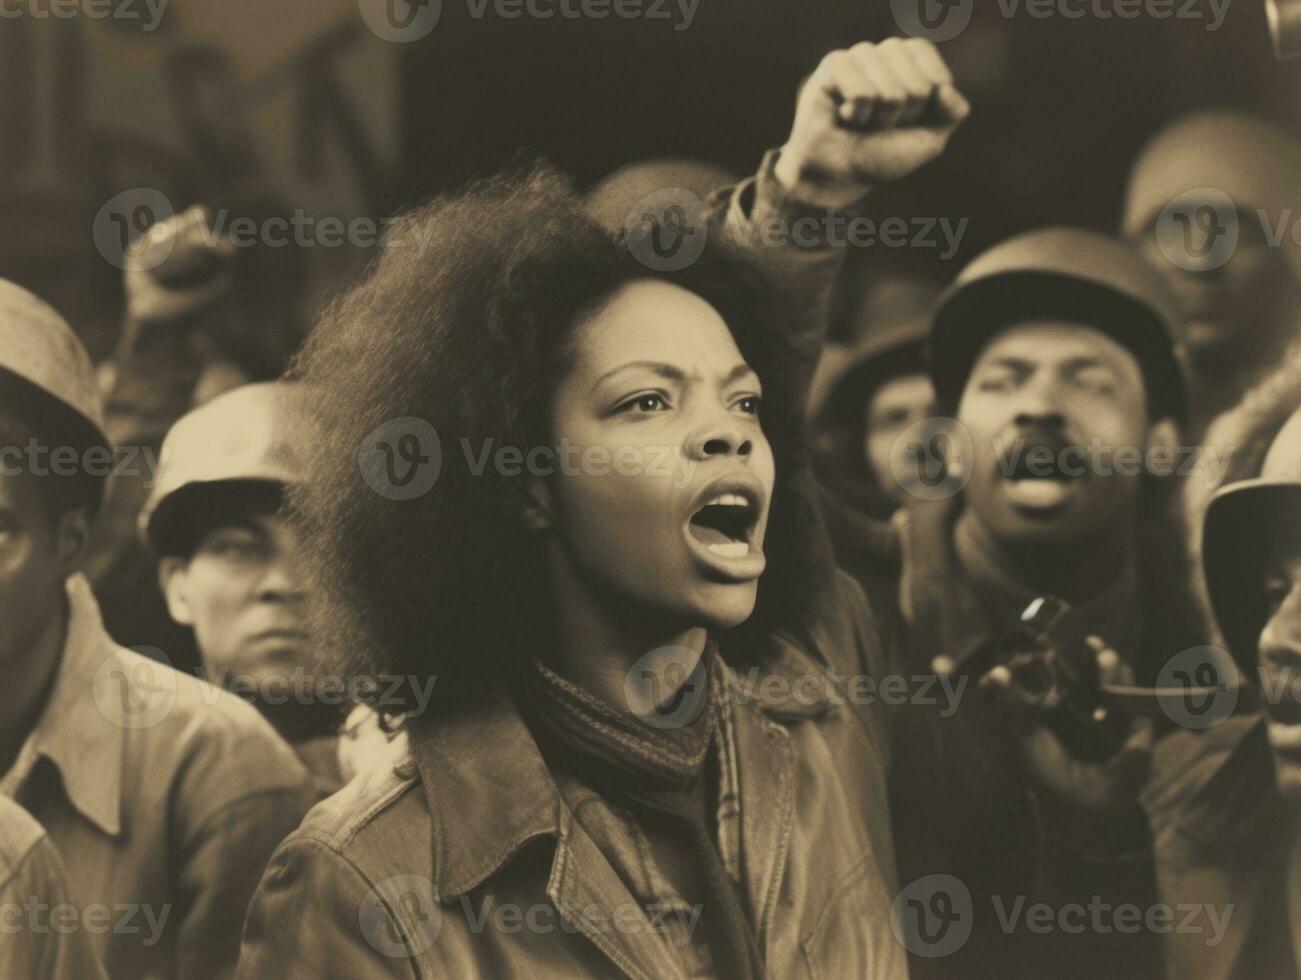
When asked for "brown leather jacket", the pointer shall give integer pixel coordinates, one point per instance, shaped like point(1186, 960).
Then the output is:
point(471, 863)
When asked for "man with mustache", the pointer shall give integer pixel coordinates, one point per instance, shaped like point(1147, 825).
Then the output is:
point(1055, 354)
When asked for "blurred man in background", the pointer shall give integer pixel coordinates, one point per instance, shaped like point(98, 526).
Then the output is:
point(1212, 204)
point(883, 392)
point(161, 793)
point(228, 561)
point(187, 338)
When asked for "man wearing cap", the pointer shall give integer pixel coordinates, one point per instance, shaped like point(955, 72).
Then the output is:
point(189, 334)
point(162, 794)
point(1211, 202)
point(228, 560)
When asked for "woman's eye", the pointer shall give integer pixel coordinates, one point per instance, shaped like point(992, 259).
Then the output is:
point(750, 404)
point(649, 402)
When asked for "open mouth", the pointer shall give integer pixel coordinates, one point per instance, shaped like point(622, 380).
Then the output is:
point(725, 524)
point(1041, 478)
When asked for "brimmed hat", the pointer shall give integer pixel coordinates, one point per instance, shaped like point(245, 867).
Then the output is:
point(1062, 274)
point(250, 434)
point(40, 356)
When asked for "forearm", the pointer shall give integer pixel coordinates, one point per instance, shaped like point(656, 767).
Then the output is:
point(793, 241)
point(149, 382)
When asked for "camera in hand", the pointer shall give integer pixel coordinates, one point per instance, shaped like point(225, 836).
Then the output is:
point(1055, 673)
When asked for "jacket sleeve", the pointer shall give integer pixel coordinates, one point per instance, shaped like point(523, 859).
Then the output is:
point(223, 859)
point(800, 248)
point(43, 953)
point(792, 243)
point(316, 915)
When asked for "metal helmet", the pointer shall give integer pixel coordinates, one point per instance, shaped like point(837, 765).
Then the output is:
point(251, 434)
point(39, 351)
point(1235, 532)
point(1066, 274)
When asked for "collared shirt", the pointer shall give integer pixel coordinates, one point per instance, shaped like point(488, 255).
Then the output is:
point(164, 796)
point(39, 938)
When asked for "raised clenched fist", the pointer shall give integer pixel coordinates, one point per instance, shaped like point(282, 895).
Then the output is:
point(869, 115)
point(177, 270)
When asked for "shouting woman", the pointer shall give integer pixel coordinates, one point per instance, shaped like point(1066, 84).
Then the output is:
point(582, 514)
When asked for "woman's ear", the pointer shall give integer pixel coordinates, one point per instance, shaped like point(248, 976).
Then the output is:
point(538, 514)
point(173, 577)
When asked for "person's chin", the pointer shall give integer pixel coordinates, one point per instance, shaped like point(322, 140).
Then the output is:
point(1040, 510)
point(723, 606)
point(273, 653)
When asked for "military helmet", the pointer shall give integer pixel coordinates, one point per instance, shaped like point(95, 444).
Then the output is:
point(1233, 545)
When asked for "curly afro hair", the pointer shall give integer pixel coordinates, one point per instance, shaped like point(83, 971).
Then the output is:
point(470, 331)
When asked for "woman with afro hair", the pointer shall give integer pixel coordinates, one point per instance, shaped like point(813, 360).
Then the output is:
point(559, 479)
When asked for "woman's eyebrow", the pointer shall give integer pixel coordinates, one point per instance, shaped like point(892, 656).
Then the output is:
point(737, 373)
point(664, 370)
point(673, 373)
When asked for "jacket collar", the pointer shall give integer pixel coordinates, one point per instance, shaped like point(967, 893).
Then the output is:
point(489, 792)
point(73, 732)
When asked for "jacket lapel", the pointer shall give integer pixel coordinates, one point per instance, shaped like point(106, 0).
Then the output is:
point(591, 898)
point(765, 774)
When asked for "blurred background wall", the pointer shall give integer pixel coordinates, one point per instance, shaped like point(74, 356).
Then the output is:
point(268, 108)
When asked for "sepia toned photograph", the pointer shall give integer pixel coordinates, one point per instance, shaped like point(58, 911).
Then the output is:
point(650, 489)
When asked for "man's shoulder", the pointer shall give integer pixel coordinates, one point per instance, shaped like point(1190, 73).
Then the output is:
point(183, 699)
point(180, 720)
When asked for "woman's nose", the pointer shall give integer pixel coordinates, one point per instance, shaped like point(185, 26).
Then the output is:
point(721, 440)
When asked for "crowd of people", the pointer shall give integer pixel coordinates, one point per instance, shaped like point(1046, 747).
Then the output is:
point(348, 685)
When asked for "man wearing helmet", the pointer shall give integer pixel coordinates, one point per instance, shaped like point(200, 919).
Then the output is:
point(228, 562)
